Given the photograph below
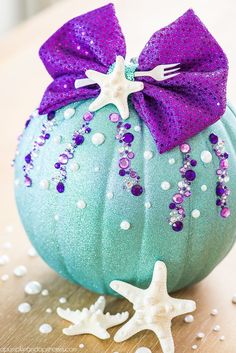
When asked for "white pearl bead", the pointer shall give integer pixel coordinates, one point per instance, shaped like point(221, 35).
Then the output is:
point(189, 319)
point(194, 347)
point(4, 259)
point(98, 139)
point(165, 185)
point(74, 166)
point(137, 128)
point(81, 345)
point(56, 217)
point(148, 155)
point(222, 338)
point(143, 350)
point(81, 204)
point(48, 310)
point(24, 308)
point(44, 292)
point(204, 188)
point(45, 328)
point(216, 328)
point(206, 157)
point(234, 299)
point(44, 184)
point(200, 335)
point(57, 139)
point(110, 195)
point(226, 179)
point(97, 169)
point(20, 271)
point(171, 161)
point(68, 113)
point(214, 312)
point(196, 213)
point(5, 277)
point(125, 225)
point(62, 300)
point(148, 204)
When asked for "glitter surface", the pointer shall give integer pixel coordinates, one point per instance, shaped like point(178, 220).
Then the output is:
point(87, 246)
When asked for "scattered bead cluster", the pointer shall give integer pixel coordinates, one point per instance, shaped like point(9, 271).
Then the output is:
point(77, 140)
point(177, 213)
point(222, 191)
point(38, 143)
point(125, 137)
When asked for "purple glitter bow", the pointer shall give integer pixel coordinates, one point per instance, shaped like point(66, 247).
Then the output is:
point(175, 109)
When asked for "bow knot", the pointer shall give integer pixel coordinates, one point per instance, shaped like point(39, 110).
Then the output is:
point(175, 106)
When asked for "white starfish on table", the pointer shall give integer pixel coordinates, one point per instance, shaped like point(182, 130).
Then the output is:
point(115, 88)
point(154, 308)
point(91, 321)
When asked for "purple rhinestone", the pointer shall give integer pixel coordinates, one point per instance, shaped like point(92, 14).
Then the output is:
point(28, 158)
point(190, 175)
point(130, 155)
point(57, 165)
point(218, 202)
point(124, 163)
point(122, 172)
point(226, 155)
point(185, 148)
point(28, 181)
point(127, 126)
point(178, 198)
point(41, 140)
point(87, 130)
point(193, 163)
point(51, 115)
point(47, 136)
point(213, 138)
point(63, 159)
point(137, 190)
point(172, 206)
point(27, 123)
point(79, 139)
point(225, 212)
point(128, 137)
point(220, 190)
point(177, 226)
point(88, 116)
point(60, 187)
point(114, 117)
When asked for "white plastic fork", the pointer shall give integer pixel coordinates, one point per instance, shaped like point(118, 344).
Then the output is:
point(161, 72)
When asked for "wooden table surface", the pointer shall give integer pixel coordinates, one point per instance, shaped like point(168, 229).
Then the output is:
point(22, 81)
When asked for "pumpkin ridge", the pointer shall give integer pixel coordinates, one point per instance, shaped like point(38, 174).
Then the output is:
point(108, 179)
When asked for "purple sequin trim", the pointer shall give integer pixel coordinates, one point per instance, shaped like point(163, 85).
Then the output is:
point(131, 179)
point(37, 144)
point(222, 191)
point(177, 213)
point(68, 153)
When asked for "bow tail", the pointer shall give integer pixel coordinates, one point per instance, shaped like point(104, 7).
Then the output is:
point(62, 92)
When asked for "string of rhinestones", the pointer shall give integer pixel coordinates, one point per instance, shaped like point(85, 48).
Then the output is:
point(20, 137)
point(131, 179)
point(77, 140)
point(37, 144)
point(222, 191)
point(177, 213)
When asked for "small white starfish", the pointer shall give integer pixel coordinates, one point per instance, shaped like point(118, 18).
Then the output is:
point(115, 88)
point(154, 308)
point(91, 321)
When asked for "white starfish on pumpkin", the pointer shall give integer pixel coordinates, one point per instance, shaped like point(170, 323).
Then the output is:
point(154, 308)
point(115, 88)
point(91, 321)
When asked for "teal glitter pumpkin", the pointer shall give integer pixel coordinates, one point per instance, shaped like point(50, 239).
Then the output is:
point(94, 230)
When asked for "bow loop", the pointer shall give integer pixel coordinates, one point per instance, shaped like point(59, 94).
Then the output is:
point(83, 42)
point(179, 108)
point(174, 105)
